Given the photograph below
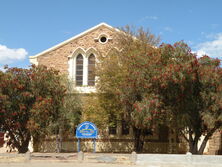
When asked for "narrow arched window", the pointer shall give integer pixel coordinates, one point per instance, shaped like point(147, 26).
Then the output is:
point(79, 70)
point(91, 70)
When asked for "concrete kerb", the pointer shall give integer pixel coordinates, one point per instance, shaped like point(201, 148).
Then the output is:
point(166, 160)
point(14, 157)
point(179, 160)
point(80, 156)
point(38, 157)
point(85, 157)
point(133, 158)
point(28, 156)
point(113, 158)
point(189, 157)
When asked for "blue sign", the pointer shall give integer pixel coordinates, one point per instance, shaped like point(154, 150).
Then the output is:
point(86, 130)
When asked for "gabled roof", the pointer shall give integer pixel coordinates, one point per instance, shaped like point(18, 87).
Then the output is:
point(70, 39)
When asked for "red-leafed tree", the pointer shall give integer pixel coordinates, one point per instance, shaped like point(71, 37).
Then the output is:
point(30, 100)
point(152, 85)
point(190, 88)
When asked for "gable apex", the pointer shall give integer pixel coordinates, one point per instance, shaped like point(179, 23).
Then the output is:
point(72, 38)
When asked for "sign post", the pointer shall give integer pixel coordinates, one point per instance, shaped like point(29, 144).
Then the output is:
point(78, 145)
point(94, 143)
point(86, 130)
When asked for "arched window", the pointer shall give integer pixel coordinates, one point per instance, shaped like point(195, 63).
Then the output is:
point(79, 70)
point(91, 70)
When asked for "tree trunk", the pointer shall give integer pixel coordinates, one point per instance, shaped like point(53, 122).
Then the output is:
point(59, 139)
point(23, 148)
point(139, 139)
point(206, 138)
point(60, 143)
point(24, 145)
point(203, 145)
point(193, 147)
point(58, 149)
point(21, 142)
point(193, 142)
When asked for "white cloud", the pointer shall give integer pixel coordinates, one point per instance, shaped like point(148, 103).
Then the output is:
point(149, 18)
point(169, 29)
point(8, 55)
point(189, 42)
point(2, 68)
point(214, 26)
point(212, 48)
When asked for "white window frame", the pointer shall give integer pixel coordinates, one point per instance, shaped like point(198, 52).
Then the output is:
point(72, 64)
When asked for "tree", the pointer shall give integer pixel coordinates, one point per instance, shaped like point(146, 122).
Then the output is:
point(124, 79)
point(165, 84)
point(66, 121)
point(191, 89)
point(69, 115)
point(92, 111)
point(30, 100)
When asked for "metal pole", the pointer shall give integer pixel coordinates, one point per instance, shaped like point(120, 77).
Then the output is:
point(94, 143)
point(78, 145)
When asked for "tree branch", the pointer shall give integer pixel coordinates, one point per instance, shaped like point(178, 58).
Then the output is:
point(206, 138)
point(184, 136)
point(190, 135)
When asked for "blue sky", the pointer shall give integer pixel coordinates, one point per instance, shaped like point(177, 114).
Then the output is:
point(28, 27)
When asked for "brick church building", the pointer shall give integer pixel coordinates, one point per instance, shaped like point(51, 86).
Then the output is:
point(76, 57)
